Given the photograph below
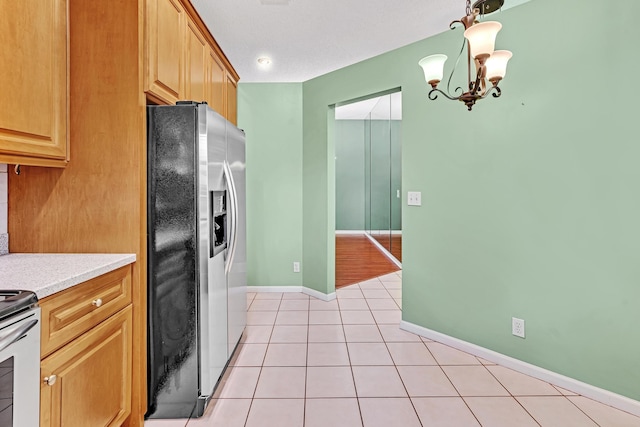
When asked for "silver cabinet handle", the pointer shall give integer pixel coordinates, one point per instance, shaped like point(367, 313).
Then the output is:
point(97, 302)
point(50, 380)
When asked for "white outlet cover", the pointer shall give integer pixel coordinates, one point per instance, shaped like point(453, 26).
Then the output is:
point(414, 198)
point(517, 327)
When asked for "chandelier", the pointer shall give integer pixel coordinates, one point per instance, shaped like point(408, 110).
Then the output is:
point(490, 65)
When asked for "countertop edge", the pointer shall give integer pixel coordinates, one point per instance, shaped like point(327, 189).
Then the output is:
point(81, 278)
point(48, 274)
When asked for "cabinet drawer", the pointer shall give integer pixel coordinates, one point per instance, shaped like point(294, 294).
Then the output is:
point(69, 313)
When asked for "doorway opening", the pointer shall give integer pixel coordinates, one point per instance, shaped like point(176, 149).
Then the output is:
point(368, 188)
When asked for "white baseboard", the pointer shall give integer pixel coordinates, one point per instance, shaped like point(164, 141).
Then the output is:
point(604, 396)
point(355, 232)
point(319, 295)
point(385, 251)
point(302, 289)
point(274, 288)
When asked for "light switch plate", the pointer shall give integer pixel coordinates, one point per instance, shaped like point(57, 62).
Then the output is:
point(414, 198)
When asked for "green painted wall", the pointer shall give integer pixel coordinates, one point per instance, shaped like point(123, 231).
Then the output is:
point(530, 203)
point(271, 115)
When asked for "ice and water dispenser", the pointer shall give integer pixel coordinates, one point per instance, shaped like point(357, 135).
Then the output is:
point(218, 239)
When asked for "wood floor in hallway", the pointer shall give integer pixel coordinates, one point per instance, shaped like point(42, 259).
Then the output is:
point(393, 244)
point(357, 260)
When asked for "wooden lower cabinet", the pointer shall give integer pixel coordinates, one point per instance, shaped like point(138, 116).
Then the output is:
point(86, 351)
point(92, 383)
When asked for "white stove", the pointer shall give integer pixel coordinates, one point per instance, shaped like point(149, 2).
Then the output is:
point(19, 359)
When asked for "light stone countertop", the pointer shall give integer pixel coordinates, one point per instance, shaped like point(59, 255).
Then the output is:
point(46, 274)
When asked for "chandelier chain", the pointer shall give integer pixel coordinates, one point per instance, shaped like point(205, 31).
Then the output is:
point(468, 7)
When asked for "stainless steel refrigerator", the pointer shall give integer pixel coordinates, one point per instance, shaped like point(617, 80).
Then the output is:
point(196, 255)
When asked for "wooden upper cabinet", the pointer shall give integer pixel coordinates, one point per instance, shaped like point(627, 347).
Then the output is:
point(33, 82)
point(183, 61)
point(165, 50)
point(197, 51)
point(216, 82)
point(232, 99)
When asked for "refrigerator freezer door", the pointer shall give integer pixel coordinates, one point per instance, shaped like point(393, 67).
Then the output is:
point(172, 262)
point(237, 276)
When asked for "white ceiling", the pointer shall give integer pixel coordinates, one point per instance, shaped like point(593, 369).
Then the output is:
point(309, 38)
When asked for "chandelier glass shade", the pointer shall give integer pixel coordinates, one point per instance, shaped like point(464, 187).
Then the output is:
point(489, 65)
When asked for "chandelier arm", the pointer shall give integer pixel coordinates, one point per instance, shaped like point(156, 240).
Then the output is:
point(452, 25)
point(464, 43)
point(479, 88)
point(469, 68)
point(433, 94)
point(476, 87)
point(494, 91)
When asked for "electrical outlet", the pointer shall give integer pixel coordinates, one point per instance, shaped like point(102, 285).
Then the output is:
point(517, 327)
point(296, 267)
point(414, 198)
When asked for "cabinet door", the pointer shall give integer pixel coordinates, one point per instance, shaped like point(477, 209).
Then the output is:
point(33, 82)
point(216, 81)
point(164, 76)
point(197, 49)
point(232, 100)
point(93, 377)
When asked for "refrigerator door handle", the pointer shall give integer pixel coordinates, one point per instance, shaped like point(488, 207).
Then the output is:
point(234, 220)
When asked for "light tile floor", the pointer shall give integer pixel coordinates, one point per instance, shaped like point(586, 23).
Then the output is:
point(346, 363)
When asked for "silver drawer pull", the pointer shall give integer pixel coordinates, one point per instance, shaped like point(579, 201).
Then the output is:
point(97, 302)
point(50, 380)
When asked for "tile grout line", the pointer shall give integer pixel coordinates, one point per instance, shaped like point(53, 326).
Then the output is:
point(262, 366)
point(398, 372)
point(353, 377)
point(510, 394)
point(453, 385)
point(306, 368)
point(580, 409)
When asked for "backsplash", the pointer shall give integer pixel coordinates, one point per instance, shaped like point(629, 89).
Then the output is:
point(4, 237)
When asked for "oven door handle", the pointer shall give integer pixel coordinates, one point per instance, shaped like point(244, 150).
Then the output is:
point(16, 334)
